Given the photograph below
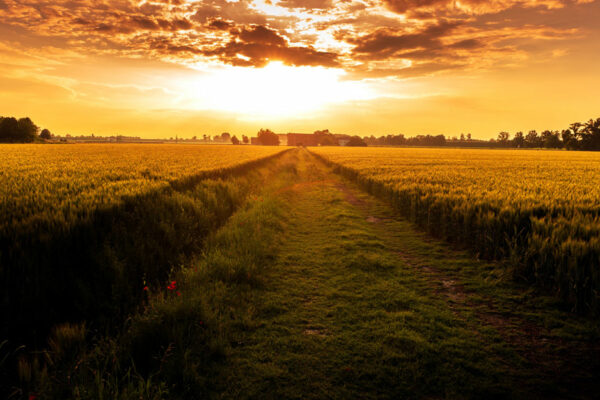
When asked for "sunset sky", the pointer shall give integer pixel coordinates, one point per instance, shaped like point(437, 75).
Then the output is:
point(161, 68)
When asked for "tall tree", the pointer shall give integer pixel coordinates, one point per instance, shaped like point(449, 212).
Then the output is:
point(532, 139)
point(268, 138)
point(503, 138)
point(519, 140)
point(590, 134)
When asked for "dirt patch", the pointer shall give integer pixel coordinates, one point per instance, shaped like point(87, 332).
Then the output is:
point(305, 185)
point(315, 332)
point(349, 195)
point(373, 219)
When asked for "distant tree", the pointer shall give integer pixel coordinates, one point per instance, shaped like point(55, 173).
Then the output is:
point(576, 128)
point(468, 136)
point(568, 139)
point(235, 140)
point(267, 137)
point(356, 141)
point(205, 138)
point(27, 129)
point(532, 139)
point(325, 138)
point(503, 138)
point(589, 134)
point(550, 140)
point(245, 139)
point(45, 134)
point(225, 137)
point(17, 131)
point(462, 137)
point(9, 130)
point(519, 140)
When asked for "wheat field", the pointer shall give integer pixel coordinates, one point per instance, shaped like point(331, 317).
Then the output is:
point(536, 209)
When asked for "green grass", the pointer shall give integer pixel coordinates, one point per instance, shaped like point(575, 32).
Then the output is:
point(349, 312)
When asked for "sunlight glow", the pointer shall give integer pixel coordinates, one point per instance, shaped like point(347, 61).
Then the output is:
point(274, 91)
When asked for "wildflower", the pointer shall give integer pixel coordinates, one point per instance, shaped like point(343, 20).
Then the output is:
point(145, 288)
point(178, 293)
point(172, 285)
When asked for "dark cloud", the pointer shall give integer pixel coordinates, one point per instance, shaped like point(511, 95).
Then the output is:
point(402, 6)
point(307, 4)
point(384, 43)
point(262, 35)
point(467, 44)
point(257, 45)
point(219, 24)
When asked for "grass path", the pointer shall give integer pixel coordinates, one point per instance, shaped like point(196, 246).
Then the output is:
point(360, 305)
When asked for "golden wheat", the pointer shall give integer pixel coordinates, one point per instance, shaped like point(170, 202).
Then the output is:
point(64, 182)
point(538, 209)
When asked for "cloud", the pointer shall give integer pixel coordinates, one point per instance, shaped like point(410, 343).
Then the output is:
point(360, 36)
point(385, 43)
point(431, 8)
point(307, 4)
point(262, 35)
point(257, 45)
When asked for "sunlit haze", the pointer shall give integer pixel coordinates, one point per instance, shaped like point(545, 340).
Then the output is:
point(165, 68)
point(272, 92)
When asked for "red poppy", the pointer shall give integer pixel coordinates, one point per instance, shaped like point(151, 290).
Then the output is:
point(145, 288)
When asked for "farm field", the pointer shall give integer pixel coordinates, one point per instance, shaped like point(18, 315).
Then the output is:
point(64, 183)
point(538, 210)
point(83, 227)
point(283, 277)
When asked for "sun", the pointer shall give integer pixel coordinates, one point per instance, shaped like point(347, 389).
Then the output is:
point(275, 91)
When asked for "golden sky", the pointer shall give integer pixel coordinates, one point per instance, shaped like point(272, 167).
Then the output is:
point(176, 67)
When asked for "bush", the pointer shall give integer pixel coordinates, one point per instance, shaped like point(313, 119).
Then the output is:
point(356, 142)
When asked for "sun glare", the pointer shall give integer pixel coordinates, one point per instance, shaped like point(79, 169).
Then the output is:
point(274, 91)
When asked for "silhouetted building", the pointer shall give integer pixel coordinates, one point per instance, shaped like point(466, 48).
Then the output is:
point(302, 139)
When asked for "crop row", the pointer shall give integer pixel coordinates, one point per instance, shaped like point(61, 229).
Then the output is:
point(539, 210)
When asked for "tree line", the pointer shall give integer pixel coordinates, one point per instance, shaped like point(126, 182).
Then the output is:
point(579, 136)
point(21, 130)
